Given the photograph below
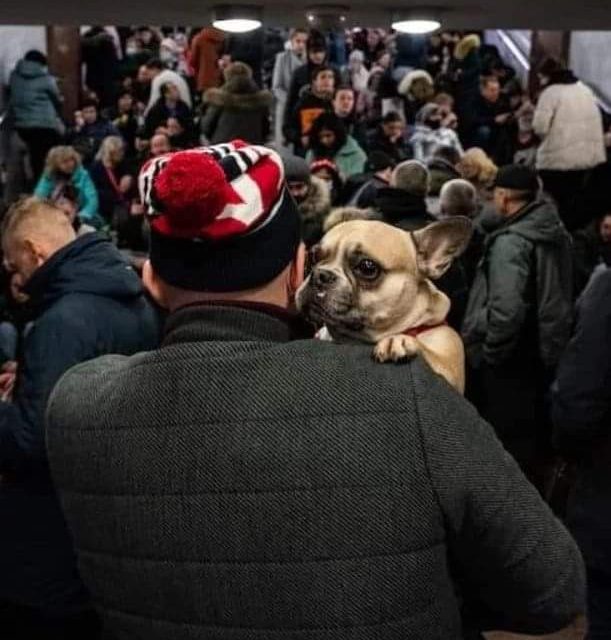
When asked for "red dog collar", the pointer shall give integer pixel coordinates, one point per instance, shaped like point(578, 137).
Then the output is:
point(416, 331)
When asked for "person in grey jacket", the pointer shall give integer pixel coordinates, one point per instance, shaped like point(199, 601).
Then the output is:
point(35, 103)
point(285, 66)
point(519, 314)
point(243, 481)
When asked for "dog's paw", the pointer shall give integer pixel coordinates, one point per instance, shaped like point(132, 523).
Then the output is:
point(396, 348)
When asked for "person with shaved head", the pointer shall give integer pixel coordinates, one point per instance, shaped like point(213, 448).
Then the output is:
point(86, 302)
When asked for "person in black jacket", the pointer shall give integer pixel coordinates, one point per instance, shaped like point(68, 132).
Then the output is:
point(317, 55)
point(124, 119)
point(493, 123)
point(581, 411)
point(243, 476)
point(168, 106)
point(85, 302)
point(389, 138)
point(312, 104)
point(403, 203)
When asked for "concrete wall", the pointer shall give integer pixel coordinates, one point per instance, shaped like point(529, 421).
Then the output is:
point(590, 60)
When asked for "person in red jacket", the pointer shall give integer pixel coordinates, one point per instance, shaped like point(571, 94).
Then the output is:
point(206, 49)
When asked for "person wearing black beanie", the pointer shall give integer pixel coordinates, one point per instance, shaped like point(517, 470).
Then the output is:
point(519, 315)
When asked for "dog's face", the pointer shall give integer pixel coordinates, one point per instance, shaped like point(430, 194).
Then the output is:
point(370, 279)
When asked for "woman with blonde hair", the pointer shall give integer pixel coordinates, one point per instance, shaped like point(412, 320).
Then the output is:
point(63, 168)
point(111, 180)
point(477, 167)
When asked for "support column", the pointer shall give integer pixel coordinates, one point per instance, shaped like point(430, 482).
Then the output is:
point(545, 44)
point(64, 53)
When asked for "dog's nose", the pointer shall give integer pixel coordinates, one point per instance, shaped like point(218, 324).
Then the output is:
point(323, 278)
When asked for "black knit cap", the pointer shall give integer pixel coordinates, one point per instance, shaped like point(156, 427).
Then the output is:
point(221, 217)
point(517, 177)
point(379, 161)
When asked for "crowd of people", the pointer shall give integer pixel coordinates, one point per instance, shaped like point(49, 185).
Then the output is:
point(127, 222)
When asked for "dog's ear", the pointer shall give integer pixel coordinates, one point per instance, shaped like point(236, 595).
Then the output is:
point(440, 243)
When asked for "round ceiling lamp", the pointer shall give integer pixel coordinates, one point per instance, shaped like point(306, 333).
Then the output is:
point(235, 18)
point(416, 21)
point(416, 26)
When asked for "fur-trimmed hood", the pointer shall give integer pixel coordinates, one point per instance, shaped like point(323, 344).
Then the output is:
point(317, 204)
point(347, 214)
point(405, 86)
point(239, 92)
point(466, 45)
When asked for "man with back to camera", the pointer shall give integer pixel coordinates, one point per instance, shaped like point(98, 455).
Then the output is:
point(243, 478)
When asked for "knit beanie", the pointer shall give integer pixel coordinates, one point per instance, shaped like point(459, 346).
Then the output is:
point(296, 169)
point(379, 161)
point(518, 178)
point(221, 218)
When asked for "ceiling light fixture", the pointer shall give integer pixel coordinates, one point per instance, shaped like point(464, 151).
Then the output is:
point(328, 16)
point(417, 20)
point(237, 18)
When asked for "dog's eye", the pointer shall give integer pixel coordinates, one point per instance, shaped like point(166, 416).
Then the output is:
point(367, 269)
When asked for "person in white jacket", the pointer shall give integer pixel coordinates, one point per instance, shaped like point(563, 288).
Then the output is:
point(569, 123)
point(285, 66)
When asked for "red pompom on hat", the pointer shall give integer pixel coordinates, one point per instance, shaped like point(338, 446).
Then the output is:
point(190, 193)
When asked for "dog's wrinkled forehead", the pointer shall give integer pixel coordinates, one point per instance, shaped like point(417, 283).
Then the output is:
point(392, 248)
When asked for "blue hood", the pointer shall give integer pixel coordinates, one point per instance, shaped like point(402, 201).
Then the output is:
point(89, 265)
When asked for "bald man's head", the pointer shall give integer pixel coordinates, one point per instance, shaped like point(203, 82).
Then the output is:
point(32, 231)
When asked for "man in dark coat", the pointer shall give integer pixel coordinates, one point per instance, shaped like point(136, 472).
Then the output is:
point(389, 138)
point(403, 203)
point(519, 316)
point(86, 302)
point(242, 482)
point(317, 56)
point(581, 409)
point(492, 122)
point(313, 103)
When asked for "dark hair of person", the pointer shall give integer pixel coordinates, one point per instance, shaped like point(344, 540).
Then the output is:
point(392, 116)
point(344, 87)
point(318, 70)
point(380, 54)
point(154, 63)
point(36, 56)
point(165, 88)
point(316, 41)
point(484, 81)
point(449, 154)
point(89, 102)
point(328, 122)
point(551, 66)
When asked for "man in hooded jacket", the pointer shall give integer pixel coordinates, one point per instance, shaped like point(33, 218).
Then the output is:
point(86, 301)
point(519, 315)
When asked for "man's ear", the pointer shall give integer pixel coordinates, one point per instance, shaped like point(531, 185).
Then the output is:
point(440, 243)
point(152, 284)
